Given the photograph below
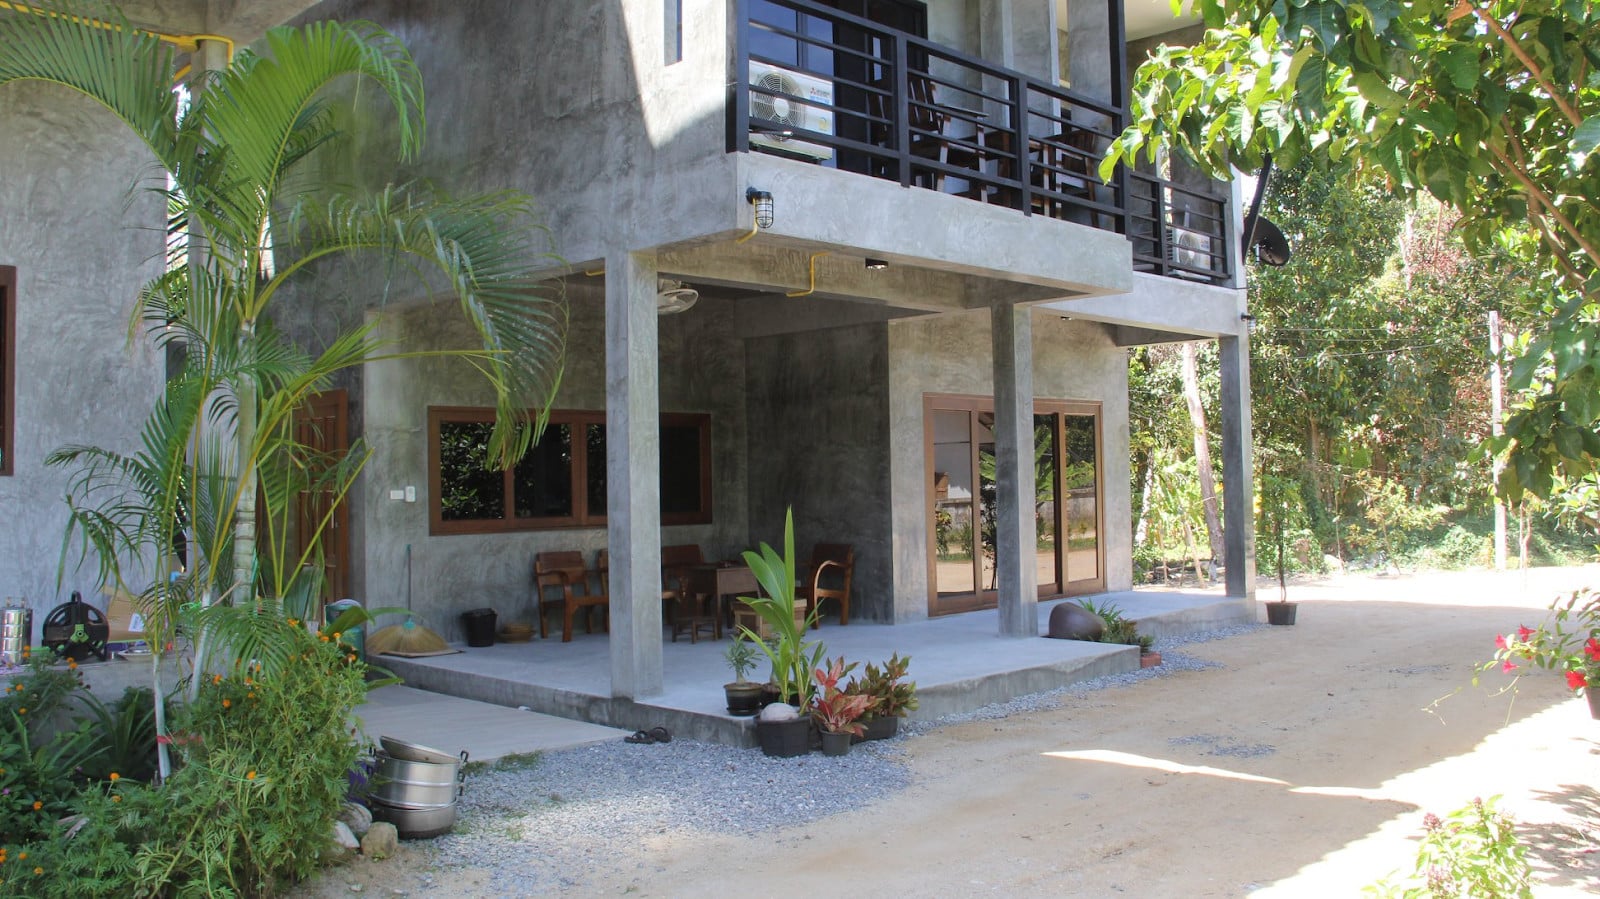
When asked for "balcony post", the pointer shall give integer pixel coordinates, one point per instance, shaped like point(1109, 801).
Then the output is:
point(633, 474)
point(1015, 526)
point(1238, 491)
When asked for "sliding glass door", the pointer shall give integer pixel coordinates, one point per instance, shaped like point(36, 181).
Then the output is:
point(962, 500)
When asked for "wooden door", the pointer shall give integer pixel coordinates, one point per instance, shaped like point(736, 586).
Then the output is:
point(323, 425)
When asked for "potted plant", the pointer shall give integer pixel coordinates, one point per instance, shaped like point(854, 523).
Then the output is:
point(1279, 496)
point(743, 696)
point(1569, 642)
point(1148, 657)
point(891, 694)
point(793, 657)
point(837, 712)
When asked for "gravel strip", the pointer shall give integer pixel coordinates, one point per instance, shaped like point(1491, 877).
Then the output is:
point(534, 824)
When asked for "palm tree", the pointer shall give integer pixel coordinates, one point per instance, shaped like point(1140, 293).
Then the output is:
point(220, 432)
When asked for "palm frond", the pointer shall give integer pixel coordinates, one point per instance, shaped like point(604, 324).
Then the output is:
point(489, 249)
point(90, 48)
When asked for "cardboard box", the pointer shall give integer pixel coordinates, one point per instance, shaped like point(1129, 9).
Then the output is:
point(744, 616)
point(123, 616)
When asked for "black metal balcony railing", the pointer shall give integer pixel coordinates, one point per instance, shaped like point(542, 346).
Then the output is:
point(822, 85)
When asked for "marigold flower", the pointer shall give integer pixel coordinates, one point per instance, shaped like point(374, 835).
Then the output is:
point(1508, 666)
point(216, 678)
point(22, 856)
point(115, 777)
point(250, 775)
point(1575, 679)
point(323, 638)
point(249, 696)
point(71, 664)
point(116, 799)
point(38, 871)
point(37, 805)
point(227, 703)
point(22, 711)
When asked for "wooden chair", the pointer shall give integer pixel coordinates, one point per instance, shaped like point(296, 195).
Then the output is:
point(926, 121)
point(688, 609)
point(839, 557)
point(565, 570)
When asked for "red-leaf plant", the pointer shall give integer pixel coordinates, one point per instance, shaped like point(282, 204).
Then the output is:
point(836, 711)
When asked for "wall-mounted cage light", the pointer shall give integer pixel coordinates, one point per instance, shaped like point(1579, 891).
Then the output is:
point(762, 201)
point(1249, 321)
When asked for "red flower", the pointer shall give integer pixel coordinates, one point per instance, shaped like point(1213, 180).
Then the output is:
point(1592, 649)
point(1508, 666)
point(1523, 634)
point(1575, 679)
point(1500, 641)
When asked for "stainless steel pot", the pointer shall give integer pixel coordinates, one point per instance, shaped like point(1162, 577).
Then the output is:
point(400, 749)
point(410, 784)
point(16, 632)
point(416, 823)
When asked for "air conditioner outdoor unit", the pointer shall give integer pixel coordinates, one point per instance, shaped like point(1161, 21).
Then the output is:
point(1189, 248)
point(777, 110)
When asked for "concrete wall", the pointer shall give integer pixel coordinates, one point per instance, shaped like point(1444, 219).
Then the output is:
point(702, 371)
point(83, 240)
point(820, 441)
point(1071, 361)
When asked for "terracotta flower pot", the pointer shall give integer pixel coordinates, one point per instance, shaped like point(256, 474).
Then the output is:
point(1592, 693)
point(1149, 659)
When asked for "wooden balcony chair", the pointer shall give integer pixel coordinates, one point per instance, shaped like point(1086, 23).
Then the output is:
point(688, 609)
point(564, 571)
point(927, 121)
point(834, 563)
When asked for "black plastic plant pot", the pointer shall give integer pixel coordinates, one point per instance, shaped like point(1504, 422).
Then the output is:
point(1281, 612)
point(785, 739)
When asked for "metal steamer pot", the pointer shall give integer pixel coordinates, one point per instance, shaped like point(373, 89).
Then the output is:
point(418, 797)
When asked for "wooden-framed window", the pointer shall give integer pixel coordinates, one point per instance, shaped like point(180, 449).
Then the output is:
point(561, 482)
point(8, 367)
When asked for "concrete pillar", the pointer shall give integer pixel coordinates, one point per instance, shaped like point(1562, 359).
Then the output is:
point(1238, 491)
point(633, 474)
point(1089, 49)
point(1015, 531)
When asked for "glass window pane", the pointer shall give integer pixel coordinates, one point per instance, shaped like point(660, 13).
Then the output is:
point(1044, 501)
point(468, 491)
point(952, 502)
point(595, 474)
point(988, 498)
point(1078, 484)
point(543, 479)
point(680, 470)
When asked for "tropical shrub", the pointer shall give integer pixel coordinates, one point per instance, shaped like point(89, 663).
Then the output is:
point(1472, 851)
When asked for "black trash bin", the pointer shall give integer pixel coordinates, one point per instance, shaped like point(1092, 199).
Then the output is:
point(479, 625)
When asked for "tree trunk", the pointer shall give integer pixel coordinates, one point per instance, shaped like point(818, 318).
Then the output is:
point(1202, 454)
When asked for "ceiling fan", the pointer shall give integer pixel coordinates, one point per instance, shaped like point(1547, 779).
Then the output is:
point(673, 297)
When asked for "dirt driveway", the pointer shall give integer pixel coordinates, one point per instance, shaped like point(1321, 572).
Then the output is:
point(1299, 767)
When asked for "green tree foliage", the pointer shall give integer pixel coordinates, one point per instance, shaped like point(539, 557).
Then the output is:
point(1491, 106)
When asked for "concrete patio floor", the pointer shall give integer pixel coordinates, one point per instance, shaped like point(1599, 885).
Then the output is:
point(958, 662)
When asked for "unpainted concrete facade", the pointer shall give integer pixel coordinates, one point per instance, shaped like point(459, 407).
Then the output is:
point(812, 368)
point(83, 237)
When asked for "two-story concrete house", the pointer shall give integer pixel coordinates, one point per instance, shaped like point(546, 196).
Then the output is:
point(912, 302)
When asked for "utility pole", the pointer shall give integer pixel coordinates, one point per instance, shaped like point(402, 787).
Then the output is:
point(1496, 412)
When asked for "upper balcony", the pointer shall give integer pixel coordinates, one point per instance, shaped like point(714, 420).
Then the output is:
point(824, 86)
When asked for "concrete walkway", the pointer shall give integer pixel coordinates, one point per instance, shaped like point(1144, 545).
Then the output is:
point(487, 732)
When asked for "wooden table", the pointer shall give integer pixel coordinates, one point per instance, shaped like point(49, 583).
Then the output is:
point(718, 581)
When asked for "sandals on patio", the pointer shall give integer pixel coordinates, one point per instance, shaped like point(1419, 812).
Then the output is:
point(653, 735)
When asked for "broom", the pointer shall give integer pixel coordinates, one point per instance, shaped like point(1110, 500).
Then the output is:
point(409, 639)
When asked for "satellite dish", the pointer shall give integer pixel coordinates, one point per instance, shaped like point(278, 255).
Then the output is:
point(673, 297)
point(1271, 246)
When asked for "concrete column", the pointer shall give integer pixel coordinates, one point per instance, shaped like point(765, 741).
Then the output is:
point(1089, 48)
point(633, 474)
point(1238, 491)
point(1015, 531)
